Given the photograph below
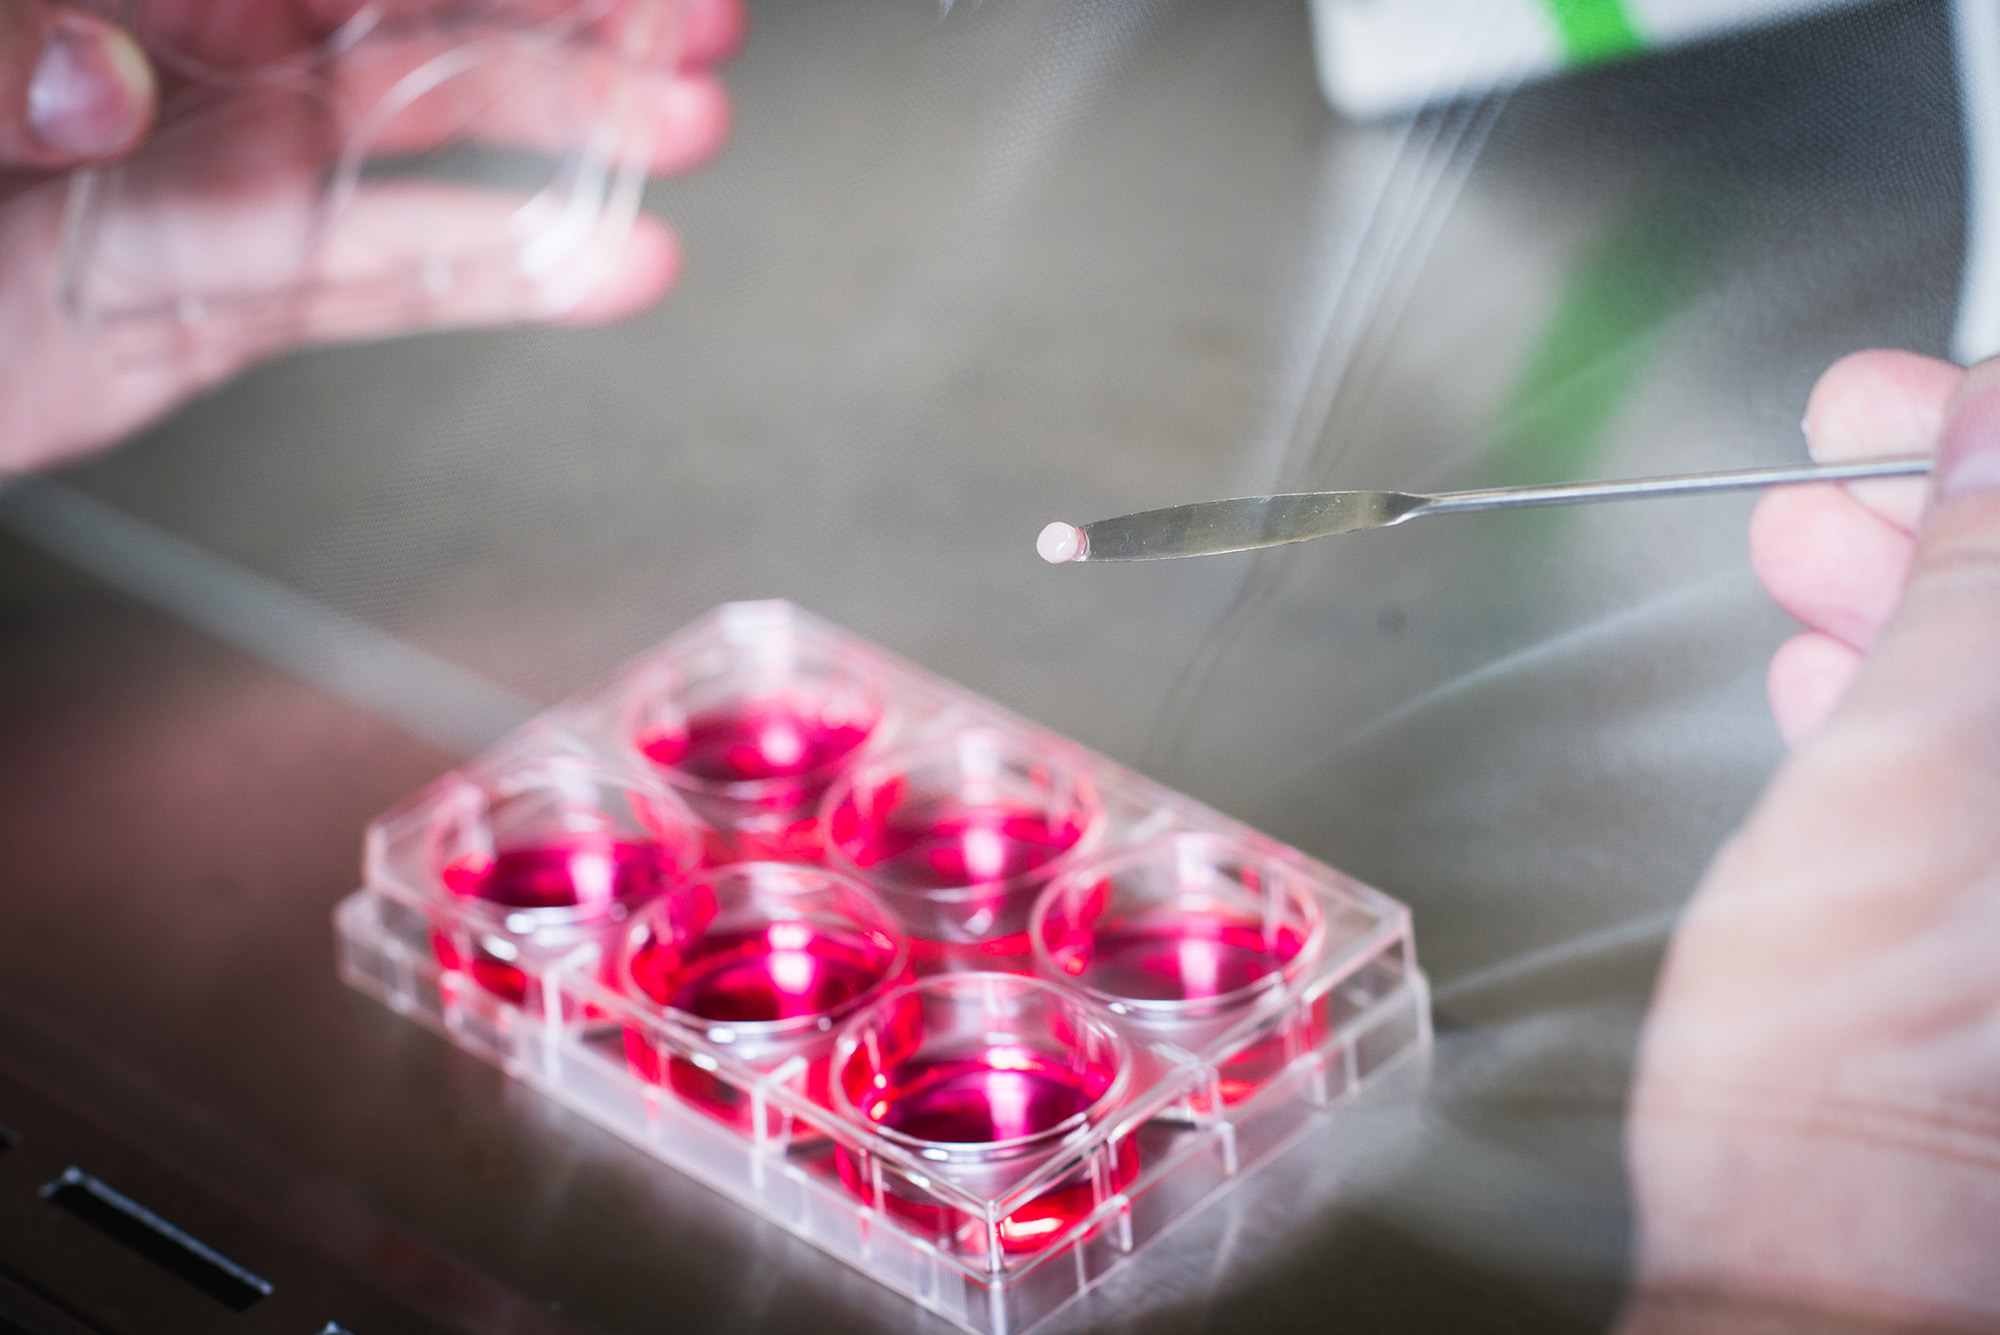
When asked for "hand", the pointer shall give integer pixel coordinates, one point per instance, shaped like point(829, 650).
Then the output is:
point(1836, 557)
point(239, 193)
point(1815, 1128)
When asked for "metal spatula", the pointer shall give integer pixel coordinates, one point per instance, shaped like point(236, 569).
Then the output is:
point(1207, 528)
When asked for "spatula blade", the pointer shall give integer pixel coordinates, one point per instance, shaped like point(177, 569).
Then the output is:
point(1212, 527)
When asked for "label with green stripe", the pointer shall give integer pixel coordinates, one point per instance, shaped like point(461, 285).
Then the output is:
point(1593, 30)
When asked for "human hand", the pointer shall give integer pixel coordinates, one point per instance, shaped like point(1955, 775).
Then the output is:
point(243, 191)
point(1836, 557)
point(1815, 1128)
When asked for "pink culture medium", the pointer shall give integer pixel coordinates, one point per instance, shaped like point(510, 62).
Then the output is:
point(579, 881)
point(960, 835)
point(1192, 960)
point(1180, 935)
point(756, 769)
point(999, 1095)
point(951, 1081)
point(781, 738)
point(786, 971)
point(763, 958)
point(945, 843)
point(1177, 958)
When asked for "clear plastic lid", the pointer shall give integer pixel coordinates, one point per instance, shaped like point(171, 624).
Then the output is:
point(479, 157)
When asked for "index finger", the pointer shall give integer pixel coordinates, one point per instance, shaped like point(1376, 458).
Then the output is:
point(1882, 404)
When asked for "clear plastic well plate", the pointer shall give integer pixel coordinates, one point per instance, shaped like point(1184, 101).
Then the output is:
point(966, 1005)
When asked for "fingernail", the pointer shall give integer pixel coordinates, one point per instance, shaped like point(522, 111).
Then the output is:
point(92, 91)
point(1968, 461)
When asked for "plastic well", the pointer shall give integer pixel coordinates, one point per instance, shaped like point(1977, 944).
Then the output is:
point(540, 857)
point(977, 1073)
point(762, 959)
point(1186, 936)
point(751, 731)
point(961, 833)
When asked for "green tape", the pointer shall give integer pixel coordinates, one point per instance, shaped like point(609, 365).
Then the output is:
point(1594, 30)
point(1621, 298)
point(1598, 343)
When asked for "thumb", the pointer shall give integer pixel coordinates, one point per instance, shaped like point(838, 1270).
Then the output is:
point(73, 88)
point(1933, 678)
point(1935, 673)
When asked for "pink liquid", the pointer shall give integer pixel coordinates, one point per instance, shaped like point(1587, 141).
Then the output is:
point(502, 979)
point(759, 838)
point(1003, 1093)
point(587, 874)
point(1008, 953)
point(1187, 959)
point(782, 738)
point(1247, 1072)
point(781, 971)
point(789, 747)
point(942, 845)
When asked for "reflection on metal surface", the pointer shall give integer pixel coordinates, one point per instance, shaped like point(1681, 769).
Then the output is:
point(328, 1254)
point(1649, 929)
point(425, 695)
point(1207, 528)
point(1680, 604)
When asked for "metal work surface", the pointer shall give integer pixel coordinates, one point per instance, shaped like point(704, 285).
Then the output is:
point(956, 275)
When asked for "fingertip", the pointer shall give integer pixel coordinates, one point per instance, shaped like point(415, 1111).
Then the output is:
point(1810, 675)
point(1829, 560)
point(644, 273)
point(694, 117)
point(1878, 403)
point(402, 227)
point(90, 93)
point(713, 31)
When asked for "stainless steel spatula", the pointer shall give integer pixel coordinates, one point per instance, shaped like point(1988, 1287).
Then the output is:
point(1207, 528)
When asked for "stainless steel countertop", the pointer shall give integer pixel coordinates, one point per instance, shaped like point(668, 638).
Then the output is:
point(955, 277)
